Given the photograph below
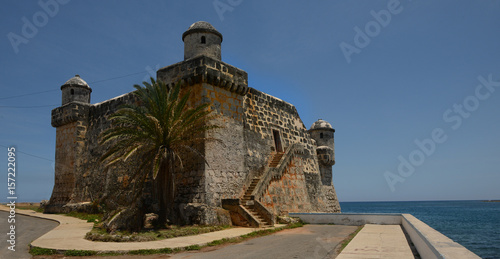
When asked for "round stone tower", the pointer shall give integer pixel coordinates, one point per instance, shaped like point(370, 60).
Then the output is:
point(322, 132)
point(75, 90)
point(201, 38)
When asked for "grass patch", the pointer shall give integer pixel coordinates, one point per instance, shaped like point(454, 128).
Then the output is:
point(109, 254)
point(42, 251)
point(269, 231)
point(98, 234)
point(94, 218)
point(192, 248)
point(30, 207)
point(151, 251)
point(223, 241)
point(348, 239)
point(79, 253)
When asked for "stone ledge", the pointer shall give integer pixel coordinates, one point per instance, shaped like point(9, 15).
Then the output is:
point(430, 243)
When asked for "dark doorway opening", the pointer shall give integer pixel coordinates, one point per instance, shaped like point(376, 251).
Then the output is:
point(277, 141)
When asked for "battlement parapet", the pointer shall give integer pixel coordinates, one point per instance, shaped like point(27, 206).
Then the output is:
point(204, 69)
point(326, 155)
point(68, 113)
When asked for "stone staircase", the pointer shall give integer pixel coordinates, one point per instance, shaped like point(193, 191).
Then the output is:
point(249, 207)
point(276, 159)
point(249, 204)
point(248, 194)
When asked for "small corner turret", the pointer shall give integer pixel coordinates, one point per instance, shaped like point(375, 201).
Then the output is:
point(75, 90)
point(201, 38)
point(323, 133)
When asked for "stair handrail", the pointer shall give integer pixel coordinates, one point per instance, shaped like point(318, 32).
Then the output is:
point(276, 172)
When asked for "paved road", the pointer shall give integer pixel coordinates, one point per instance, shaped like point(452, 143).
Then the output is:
point(310, 241)
point(27, 229)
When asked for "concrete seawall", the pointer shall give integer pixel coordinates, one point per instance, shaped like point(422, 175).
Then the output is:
point(428, 242)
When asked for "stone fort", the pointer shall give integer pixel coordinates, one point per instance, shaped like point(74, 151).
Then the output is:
point(267, 163)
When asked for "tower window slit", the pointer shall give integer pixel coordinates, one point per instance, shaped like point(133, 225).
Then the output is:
point(203, 40)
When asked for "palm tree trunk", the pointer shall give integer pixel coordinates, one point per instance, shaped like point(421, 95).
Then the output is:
point(170, 190)
point(162, 186)
point(166, 190)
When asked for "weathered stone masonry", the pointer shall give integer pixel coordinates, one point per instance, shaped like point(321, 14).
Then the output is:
point(267, 162)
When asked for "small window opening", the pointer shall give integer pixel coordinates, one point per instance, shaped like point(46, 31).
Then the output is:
point(320, 135)
point(72, 91)
point(277, 141)
point(203, 40)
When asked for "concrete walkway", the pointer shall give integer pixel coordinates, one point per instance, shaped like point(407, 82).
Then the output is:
point(309, 241)
point(378, 241)
point(70, 233)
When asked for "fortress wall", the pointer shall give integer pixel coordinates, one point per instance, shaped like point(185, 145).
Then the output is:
point(289, 193)
point(265, 113)
point(64, 178)
point(300, 188)
point(70, 120)
point(225, 171)
point(97, 181)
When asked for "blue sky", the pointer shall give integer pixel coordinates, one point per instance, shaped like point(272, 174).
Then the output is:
point(383, 73)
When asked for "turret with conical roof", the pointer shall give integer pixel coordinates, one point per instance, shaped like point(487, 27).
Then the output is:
point(75, 90)
point(322, 132)
point(201, 38)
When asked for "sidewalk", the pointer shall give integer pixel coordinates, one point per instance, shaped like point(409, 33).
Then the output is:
point(378, 241)
point(70, 233)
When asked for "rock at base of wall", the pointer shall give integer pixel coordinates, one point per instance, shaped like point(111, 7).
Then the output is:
point(202, 214)
point(130, 219)
point(150, 220)
point(85, 207)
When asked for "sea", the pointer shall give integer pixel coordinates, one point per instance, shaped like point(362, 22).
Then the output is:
point(473, 224)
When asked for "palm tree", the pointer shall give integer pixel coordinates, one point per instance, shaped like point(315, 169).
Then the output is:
point(155, 132)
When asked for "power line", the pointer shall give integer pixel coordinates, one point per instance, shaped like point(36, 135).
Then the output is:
point(28, 107)
point(39, 157)
point(99, 81)
point(53, 90)
point(21, 95)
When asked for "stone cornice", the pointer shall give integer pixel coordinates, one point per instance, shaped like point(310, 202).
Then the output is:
point(68, 113)
point(204, 69)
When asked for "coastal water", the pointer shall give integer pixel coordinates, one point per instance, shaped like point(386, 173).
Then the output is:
point(473, 224)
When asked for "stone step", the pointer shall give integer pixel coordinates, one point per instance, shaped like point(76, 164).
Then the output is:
point(276, 160)
point(257, 215)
